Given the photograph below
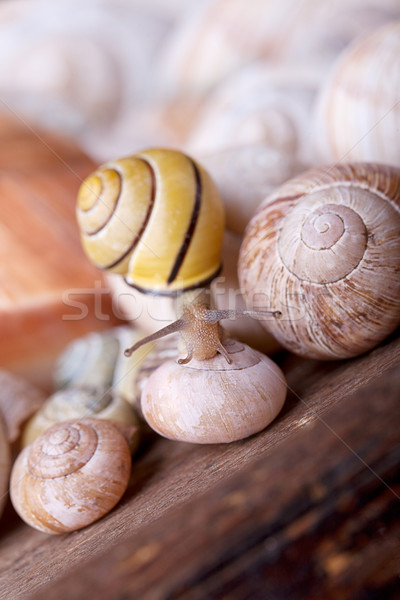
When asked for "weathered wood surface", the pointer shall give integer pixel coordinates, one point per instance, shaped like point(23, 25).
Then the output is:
point(306, 509)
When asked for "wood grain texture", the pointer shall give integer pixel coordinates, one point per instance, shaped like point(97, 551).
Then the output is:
point(43, 270)
point(299, 508)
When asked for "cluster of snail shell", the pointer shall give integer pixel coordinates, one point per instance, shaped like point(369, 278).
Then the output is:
point(170, 244)
point(322, 251)
point(318, 267)
point(18, 401)
point(77, 445)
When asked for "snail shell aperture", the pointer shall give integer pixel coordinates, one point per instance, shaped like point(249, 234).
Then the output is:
point(324, 249)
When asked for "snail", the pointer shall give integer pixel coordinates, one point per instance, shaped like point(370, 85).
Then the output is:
point(220, 392)
point(71, 475)
point(358, 111)
point(156, 218)
point(5, 462)
point(192, 247)
point(77, 403)
point(325, 250)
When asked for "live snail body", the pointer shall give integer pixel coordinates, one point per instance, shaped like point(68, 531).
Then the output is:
point(324, 249)
point(71, 475)
point(162, 229)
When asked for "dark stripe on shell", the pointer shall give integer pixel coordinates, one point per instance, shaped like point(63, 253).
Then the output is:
point(136, 240)
point(99, 197)
point(172, 293)
point(192, 225)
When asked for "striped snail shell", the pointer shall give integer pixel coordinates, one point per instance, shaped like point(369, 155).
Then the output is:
point(71, 475)
point(156, 218)
point(324, 249)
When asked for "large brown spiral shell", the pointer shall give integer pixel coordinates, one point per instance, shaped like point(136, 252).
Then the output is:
point(71, 475)
point(325, 250)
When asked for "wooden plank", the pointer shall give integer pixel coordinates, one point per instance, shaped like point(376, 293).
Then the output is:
point(43, 269)
point(197, 516)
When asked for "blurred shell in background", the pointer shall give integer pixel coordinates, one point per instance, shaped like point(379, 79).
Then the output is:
point(224, 35)
point(358, 114)
point(76, 65)
point(253, 134)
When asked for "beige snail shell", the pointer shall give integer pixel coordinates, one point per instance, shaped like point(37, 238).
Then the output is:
point(358, 111)
point(71, 475)
point(19, 400)
point(79, 403)
point(324, 249)
point(5, 463)
point(212, 401)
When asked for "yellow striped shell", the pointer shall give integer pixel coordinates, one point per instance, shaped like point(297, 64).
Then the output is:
point(324, 249)
point(156, 218)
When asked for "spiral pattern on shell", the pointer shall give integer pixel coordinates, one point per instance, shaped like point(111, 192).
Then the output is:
point(325, 250)
point(71, 475)
point(156, 218)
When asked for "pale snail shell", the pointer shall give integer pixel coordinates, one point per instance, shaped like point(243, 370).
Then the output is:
point(71, 475)
point(324, 249)
point(156, 218)
point(19, 400)
point(5, 463)
point(211, 401)
point(253, 134)
point(97, 361)
point(78, 403)
point(234, 33)
point(358, 112)
point(63, 68)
